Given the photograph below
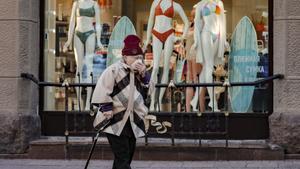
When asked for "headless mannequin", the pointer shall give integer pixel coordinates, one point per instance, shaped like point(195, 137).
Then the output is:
point(84, 13)
point(193, 70)
point(160, 25)
point(210, 38)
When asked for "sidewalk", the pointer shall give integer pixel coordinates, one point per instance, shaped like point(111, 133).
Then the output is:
point(79, 164)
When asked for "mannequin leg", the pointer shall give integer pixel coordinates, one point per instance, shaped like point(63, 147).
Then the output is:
point(157, 50)
point(168, 50)
point(189, 90)
point(90, 50)
point(201, 91)
point(209, 54)
point(194, 101)
point(202, 99)
point(198, 96)
point(79, 55)
point(198, 69)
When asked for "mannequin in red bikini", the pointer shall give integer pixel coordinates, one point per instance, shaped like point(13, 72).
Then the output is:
point(162, 33)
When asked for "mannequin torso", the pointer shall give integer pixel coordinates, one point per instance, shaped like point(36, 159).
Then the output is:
point(211, 11)
point(210, 17)
point(161, 17)
point(84, 18)
point(164, 13)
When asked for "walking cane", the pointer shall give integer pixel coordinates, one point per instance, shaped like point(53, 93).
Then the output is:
point(101, 126)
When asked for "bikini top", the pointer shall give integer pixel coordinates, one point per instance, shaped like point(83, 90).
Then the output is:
point(88, 12)
point(210, 8)
point(168, 13)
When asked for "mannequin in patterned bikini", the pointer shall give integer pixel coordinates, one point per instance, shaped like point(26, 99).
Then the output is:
point(160, 28)
point(210, 39)
point(86, 37)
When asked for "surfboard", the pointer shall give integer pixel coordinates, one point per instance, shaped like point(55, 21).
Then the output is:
point(243, 64)
point(123, 28)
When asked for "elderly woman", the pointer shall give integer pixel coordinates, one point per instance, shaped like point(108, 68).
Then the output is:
point(120, 93)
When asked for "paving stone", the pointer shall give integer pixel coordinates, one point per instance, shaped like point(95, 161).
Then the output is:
point(263, 164)
point(195, 164)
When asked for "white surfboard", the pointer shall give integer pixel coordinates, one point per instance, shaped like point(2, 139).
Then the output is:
point(243, 64)
point(123, 28)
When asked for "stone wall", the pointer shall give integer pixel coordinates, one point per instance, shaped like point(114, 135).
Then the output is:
point(285, 121)
point(19, 52)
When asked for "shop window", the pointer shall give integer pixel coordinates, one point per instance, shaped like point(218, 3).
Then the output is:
point(60, 66)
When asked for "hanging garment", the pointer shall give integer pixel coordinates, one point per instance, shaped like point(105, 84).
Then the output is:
point(99, 65)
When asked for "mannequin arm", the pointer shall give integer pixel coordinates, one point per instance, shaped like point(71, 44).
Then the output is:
point(71, 27)
point(98, 25)
point(184, 19)
point(150, 25)
point(222, 43)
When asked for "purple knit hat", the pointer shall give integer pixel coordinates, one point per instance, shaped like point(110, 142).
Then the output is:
point(132, 46)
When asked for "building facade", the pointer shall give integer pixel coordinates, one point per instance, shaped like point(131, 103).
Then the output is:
point(284, 122)
point(21, 51)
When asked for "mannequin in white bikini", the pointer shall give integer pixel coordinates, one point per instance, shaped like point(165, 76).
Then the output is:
point(210, 39)
point(160, 28)
point(86, 37)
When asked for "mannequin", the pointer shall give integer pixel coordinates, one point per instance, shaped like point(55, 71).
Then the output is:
point(84, 13)
point(210, 39)
point(193, 70)
point(160, 29)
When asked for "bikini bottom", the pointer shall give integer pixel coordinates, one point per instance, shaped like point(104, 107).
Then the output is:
point(214, 36)
point(162, 36)
point(83, 36)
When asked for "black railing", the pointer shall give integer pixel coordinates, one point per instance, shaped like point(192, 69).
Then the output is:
point(215, 123)
point(197, 125)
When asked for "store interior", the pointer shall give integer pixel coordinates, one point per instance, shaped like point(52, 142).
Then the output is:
point(60, 66)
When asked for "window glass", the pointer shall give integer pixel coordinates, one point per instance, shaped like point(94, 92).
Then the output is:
point(76, 65)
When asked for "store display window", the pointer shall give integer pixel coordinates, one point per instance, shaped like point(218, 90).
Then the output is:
point(81, 56)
